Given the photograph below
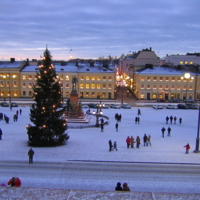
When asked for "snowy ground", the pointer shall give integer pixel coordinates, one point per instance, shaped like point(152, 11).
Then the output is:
point(92, 144)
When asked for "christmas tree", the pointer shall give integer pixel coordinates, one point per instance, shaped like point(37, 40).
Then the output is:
point(45, 113)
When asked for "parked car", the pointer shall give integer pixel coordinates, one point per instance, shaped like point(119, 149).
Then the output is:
point(158, 107)
point(171, 107)
point(104, 106)
point(85, 106)
point(92, 105)
point(161, 100)
point(14, 104)
point(4, 104)
point(115, 106)
point(192, 106)
point(175, 100)
point(190, 100)
point(182, 106)
point(125, 106)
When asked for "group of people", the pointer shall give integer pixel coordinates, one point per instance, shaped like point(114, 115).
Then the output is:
point(122, 188)
point(118, 117)
point(112, 146)
point(173, 119)
point(130, 141)
point(168, 130)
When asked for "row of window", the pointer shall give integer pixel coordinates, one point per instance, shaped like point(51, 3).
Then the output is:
point(167, 87)
point(166, 79)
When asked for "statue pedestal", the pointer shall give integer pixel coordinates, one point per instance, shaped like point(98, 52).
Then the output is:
point(74, 98)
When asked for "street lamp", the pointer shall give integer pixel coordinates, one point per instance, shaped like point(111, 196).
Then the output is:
point(98, 113)
point(197, 149)
point(187, 77)
point(62, 83)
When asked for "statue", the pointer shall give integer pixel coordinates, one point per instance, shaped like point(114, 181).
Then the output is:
point(74, 82)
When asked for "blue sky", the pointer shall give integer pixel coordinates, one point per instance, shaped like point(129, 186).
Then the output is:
point(96, 28)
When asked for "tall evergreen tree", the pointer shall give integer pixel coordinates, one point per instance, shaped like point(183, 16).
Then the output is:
point(45, 113)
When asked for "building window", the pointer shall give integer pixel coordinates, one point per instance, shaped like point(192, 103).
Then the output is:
point(181, 62)
point(87, 94)
point(167, 79)
point(93, 94)
point(92, 86)
point(154, 78)
point(191, 63)
point(166, 87)
point(154, 86)
point(98, 78)
point(67, 85)
point(67, 77)
point(15, 83)
point(30, 93)
point(142, 86)
point(141, 95)
point(81, 78)
point(1, 83)
point(103, 94)
point(87, 86)
point(173, 78)
point(142, 78)
point(67, 94)
point(93, 78)
point(160, 87)
point(98, 86)
point(179, 79)
point(23, 84)
point(148, 78)
point(7, 83)
point(104, 78)
point(81, 85)
point(109, 86)
point(24, 93)
point(161, 78)
point(190, 88)
point(24, 77)
point(87, 78)
point(110, 78)
point(148, 86)
point(30, 77)
point(104, 86)
point(172, 88)
point(179, 87)
point(30, 85)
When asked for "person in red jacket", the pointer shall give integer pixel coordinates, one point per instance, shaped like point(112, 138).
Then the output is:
point(187, 147)
point(128, 141)
point(14, 182)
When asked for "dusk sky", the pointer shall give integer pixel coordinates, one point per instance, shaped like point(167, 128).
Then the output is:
point(96, 28)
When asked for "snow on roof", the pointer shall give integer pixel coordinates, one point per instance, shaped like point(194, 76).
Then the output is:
point(8, 64)
point(163, 71)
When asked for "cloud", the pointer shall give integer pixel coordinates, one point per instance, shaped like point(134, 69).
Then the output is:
point(97, 28)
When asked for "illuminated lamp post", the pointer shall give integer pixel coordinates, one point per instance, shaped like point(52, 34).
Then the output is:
point(98, 113)
point(62, 83)
point(186, 76)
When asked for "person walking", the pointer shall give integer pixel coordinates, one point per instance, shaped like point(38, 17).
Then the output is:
point(110, 145)
point(30, 155)
point(145, 140)
point(163, 131)
point(167, 119)
point(132, 142)
point(138, 142)
point(187, 147)
point(1, 133)
point(139, 112)
point(149, 139)
point(115, 145)
point(136, 120)
point(118, 187)
point(128, 141)
point(180, 121)
point(169, 131)
point(126, 188)
point(116, 126)
point(171, 119)
point(175, 120)
point(20, 111)
point(102, 127)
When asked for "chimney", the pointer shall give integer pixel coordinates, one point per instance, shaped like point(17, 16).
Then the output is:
point(12, 59)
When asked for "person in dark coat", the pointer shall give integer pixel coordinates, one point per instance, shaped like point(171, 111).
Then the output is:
point(1, 133)
point(116, 116)
point(167, 119)
point(187, 147)
point(139, 112)
point(175, 120)
point(102, 126)
point(163, 131)
point(138, 142)
point(110, 145)
point(180, 120)
point(120, 118)
point(136, 120)
point(171, 119)
point(115, 145)
point(116, 126)
point(20, 111)
point(30, 155)
point(169, 131)
point(125, 187)
point(128, 141)
point(119, 187)
point(17, 112)
point(145, 140)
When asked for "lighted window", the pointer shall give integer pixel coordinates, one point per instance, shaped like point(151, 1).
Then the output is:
point(2, 93)
point(103, 94)
point(186, 62)
point(110, 78)
point(81, 85)
point(181, 62)
point(92, 86)
point(15, 83)
point(172, 87)
point(87, 78)
point(98, 86)
point(30, 85)
point(23, 84)
point(67, 94)
point(161, 78)
point(178, 87)
point(81, 77)
point(141, 95)
point(166, 87)
point(179, 78)
point(1, 83)
point(154, 78)
point(67, 77)
point(154, 86)
point(148, 78)
point(142, 86)
point(8, 83)
point(148, 86)
point(24, 77)
point(142, 78)
point(184, 87)
point(30, 77)
point(190, 88)
point(87, 86)
point(191, 63)
point(98, 78)
point(87, 94)
point(93, 78)
point(173, 78)
point(104, 86)
point(93, 94)
point(160, 86)
point(109, 86)
point(167, 79)
point(104, 78)
point(67, 85)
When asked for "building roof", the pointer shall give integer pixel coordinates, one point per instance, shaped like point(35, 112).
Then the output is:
point(11, 65)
